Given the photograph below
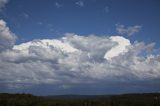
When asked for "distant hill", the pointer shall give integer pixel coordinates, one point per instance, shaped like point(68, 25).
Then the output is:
point(76, 97)
point(145, 99)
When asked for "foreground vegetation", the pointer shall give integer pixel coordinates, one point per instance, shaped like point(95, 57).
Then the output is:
point(150, 99)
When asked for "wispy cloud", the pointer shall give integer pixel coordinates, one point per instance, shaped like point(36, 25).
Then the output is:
point(25, 15)
point(58, 5)
point(80, 3)
point(106, 9)
point(130, 30)
point(3, 3)
point(40, 23)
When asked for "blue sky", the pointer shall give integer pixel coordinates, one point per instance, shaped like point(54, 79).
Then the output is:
point(43, 19)
point(90, 47)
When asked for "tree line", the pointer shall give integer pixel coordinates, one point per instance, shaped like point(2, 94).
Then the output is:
point(148, 99)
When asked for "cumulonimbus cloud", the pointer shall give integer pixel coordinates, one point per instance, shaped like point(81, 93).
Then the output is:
point(75, 59)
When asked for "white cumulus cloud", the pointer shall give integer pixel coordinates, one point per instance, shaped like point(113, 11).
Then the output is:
point(74, 60)
point(120, 48)
point(7, 38)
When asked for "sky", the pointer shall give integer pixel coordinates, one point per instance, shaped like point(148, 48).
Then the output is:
point(93, 47)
